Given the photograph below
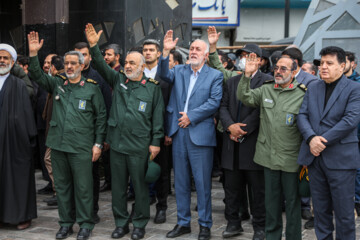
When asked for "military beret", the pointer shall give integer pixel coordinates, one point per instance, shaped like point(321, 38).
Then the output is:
point(153, 172)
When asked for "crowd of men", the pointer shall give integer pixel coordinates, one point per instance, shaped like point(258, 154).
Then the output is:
point(264, 120)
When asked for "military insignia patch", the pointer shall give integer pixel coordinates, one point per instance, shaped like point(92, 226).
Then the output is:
point(142, 106)
point(82, 83)
point(66, 82)
point(143, 82)
point(289, 119)
point(82, 104)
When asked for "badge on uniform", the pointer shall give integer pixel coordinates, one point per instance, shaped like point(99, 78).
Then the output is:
point(82, 104)
point(142, 106)
point(289, 119)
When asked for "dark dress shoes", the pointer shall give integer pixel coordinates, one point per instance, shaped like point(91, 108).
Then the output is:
point(232, 230)
point(178, 231)
point(23, 225)
point(64, 232)
point(138, 233)
point(306, 214)
point(105, 187)
point(160, 216)
point(52, 201)
point(96, 218)
point(204, 233)
point(309, 224)
point(46, 190)
point(119, 232)
point(83, 234)
point(259, 235)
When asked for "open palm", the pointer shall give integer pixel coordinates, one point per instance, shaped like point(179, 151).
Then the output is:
point(34, 43)
point(91, 34)
point(169, 43)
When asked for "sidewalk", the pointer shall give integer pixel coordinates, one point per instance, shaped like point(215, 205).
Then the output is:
point(46, 226)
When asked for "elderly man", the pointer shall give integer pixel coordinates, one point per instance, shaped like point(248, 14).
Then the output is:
point(17, 137)
point(135, 129)
point(278, 142)
point(76, 135)
point(194, 99)
point(328, 121)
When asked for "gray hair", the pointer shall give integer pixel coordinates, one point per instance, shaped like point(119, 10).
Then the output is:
point(76, 53)
point(207, 45)
point(115, 47)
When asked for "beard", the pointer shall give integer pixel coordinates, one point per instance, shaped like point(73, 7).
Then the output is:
point(196, 62)
point(4, 69)
point(347, 70)
point(73, 75)
point(283, 80)
point(112, 64)
point(133, 75)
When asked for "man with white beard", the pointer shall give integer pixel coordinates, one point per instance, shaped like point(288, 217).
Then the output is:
point(76, 136)
point(135, 129)
point(278, 142)
point(17, 137)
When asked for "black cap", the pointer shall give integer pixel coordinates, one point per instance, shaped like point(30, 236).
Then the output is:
point(265, 53)
point(250, 48)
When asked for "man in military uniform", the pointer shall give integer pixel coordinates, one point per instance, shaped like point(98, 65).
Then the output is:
point(76, 134)
point(135, 128)
point(278, 142)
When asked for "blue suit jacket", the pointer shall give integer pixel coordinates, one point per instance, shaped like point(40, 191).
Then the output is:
point(337, 123)
point(305, 78)
point(203, 103)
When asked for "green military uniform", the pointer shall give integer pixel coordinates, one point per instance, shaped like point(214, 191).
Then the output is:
point(78, 122)
point(135, 122)
point(214, 62)
point(277, 150)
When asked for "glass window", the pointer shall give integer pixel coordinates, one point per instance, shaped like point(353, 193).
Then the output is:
point(312, 28)
point(345, 22)
point(323, 5)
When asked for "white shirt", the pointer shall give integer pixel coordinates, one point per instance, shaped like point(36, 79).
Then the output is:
point(150, 73)
point(2, 80)
point(193, 77)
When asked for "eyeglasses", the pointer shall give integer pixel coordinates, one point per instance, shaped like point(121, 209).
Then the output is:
point(281, 69)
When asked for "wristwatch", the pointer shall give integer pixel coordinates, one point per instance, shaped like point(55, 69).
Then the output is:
point(98, 145)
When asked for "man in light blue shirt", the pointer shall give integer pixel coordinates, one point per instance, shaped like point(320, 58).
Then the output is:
point(195, 97)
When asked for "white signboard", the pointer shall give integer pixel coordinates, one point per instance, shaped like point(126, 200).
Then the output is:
point(216, 13)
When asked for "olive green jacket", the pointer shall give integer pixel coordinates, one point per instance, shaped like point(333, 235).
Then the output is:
point(279, 139)
point(79, 115)
point(18, 72)
point(137, 112)
point(214, 62)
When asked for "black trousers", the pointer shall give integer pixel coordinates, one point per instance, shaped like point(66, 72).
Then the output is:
point(235, 188)
point(163, 183)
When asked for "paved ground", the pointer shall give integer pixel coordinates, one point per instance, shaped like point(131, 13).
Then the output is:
point(45, 226)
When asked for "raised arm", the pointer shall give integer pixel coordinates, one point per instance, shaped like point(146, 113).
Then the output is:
point(44, 80)
point(163, 65)
point(105, 70)
point(214, 62)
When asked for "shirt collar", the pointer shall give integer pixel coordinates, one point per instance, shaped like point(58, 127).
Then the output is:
point(198, 71)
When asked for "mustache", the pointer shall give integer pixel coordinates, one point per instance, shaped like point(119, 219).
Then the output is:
point(278, 75)
point(3, 65)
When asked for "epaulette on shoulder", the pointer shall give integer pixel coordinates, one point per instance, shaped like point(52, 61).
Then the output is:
point(302, 87)
point(153, 81)
point(122, 71)
point(269, 81)
point(91, 81)
point(61, 76)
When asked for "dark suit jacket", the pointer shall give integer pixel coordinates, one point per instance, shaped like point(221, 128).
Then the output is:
point(165, 90)
point(337, 123)
point(305, 78)
point(228, 114)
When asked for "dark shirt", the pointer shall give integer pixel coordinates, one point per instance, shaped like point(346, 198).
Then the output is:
point(329, 90)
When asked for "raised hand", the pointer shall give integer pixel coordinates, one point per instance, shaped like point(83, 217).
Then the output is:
point(91, 35)
point(252, 64)
point(34, 43)
point(169, 42)
point(213, 35)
